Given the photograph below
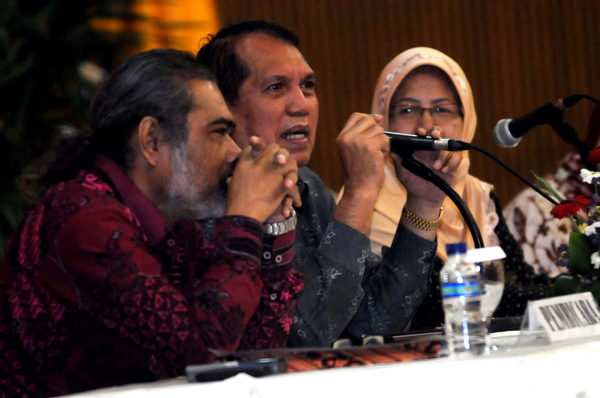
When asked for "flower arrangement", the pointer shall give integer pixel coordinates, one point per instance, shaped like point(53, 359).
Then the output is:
point(582, 255)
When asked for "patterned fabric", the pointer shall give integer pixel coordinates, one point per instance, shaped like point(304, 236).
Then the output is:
point(348, 288)
point(521, 283)
point(96, 291)
point(529, 220)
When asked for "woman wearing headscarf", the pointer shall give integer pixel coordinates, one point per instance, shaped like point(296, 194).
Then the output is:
point(424, 89)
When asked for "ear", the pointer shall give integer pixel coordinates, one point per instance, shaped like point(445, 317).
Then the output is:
point(148, 139)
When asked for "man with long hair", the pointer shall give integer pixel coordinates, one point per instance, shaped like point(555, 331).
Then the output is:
point(110, 279)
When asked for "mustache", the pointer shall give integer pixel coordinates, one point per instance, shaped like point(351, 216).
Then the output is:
point(223, 186)
point(234, 164)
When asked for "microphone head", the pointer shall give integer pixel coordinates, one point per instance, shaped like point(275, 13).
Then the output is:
point(503, 136)
point(571, 100)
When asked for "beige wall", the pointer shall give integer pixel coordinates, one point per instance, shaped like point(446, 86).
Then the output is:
point(518, 55)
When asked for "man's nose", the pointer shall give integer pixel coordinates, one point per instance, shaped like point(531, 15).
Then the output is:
point(233, 150)
point(297, 102)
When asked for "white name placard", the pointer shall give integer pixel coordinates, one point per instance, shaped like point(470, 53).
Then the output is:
point(565, 317)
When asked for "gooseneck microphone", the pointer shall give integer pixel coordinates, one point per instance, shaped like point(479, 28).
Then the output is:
point(508, 132)
point(407, 143)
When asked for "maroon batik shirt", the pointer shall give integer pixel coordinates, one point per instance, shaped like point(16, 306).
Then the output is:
point(96, 290)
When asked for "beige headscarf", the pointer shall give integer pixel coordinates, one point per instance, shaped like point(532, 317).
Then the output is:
point(473, 191)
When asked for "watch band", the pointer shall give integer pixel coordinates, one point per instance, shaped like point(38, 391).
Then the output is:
point(282, 227)
point(421, 223)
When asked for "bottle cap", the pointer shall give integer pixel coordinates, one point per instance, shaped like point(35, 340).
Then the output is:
point(485, 254)
point(456, 248)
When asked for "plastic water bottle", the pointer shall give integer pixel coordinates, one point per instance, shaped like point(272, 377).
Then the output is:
point(461, 297)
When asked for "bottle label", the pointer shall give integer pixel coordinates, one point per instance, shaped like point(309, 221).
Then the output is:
point(467, 289)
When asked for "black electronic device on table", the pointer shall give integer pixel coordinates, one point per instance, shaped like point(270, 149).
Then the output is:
point(224, 370)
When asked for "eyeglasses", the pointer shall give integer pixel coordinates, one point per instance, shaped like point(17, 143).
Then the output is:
point(440, 113)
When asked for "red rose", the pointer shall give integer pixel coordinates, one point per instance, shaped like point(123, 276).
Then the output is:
point(569, 207)
point(594, 156)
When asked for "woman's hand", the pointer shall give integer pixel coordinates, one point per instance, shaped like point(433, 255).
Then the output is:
point(443, 163)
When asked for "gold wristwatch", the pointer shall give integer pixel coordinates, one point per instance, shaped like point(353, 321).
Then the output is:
point(421, 223)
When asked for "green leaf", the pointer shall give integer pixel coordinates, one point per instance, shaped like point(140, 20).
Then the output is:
point(581, 252)
point(566, 284)
point(547, 187)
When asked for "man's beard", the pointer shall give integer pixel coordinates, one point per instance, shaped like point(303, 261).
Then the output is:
point(184, 199)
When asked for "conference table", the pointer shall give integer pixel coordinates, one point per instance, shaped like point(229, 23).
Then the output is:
point(522, 365)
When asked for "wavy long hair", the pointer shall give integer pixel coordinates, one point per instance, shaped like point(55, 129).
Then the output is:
point(153, 83)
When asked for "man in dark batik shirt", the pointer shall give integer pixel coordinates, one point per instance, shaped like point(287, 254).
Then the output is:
point(270, 89)
point(110, 279)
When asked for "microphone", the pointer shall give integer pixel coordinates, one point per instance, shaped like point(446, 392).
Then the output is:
point(401, 143)
point(508, 132)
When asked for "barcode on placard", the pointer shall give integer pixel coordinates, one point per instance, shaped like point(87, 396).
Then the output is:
point(570, 315)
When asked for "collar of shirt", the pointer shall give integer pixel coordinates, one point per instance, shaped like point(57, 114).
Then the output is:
point(152, 223)
point(302, 184)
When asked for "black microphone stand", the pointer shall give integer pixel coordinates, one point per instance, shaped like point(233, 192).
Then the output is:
point(569, 135)
point(420, 170)
point(556, 118)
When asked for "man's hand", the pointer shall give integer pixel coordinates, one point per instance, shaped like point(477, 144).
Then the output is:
point(284, 210)
point(263, 183)
point(362, 146)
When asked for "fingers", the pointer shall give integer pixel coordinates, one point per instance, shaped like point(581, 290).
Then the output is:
point(361, 146)
point(452, 163)
point(280, 161)
point(435, 132)
point(291, 199)
point(362, 127)
point(258, 146)
point(281, 156)
point(442, 160)
point(290, 189)
point(446, 162)
point(361, 121)
point(275, 156)
point(378, 119)
point(290, 178)
point(355, 117)
point(290, 182)
point(421, 131)
point(296, 196)
point(292, 195)
point(264, 182)
point(438, 159)
point(397, 158)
